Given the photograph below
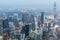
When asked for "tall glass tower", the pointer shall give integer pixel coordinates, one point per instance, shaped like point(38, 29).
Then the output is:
point(54, 7)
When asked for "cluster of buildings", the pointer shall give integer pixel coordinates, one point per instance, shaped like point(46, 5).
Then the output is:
point(25, 25)
point(29, 25)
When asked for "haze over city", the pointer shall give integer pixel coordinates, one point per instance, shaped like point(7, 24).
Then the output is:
point(29, 19)
point(40, 4)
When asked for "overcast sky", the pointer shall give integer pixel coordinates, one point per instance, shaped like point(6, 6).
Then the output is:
point(42, 4)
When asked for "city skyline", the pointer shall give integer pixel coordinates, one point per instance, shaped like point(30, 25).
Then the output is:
point(29, 19)
point(39, 4)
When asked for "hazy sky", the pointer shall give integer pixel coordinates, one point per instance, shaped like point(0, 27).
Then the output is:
point(42, 4)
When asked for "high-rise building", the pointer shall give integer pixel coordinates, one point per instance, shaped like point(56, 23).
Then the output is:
point(25, 30)
point(16, 23)
point(6, 29)
point(32, 21)
point(39, 21)
point(42, 17)
point(25, 17)
point(10, 18)
point(5, 24)
point(1, 23)
point(54, 9)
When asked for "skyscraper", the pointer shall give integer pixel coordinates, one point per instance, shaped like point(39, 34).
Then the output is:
point(32, 21)
point(42, 17)
point(25, 18)
point(5, 24)
point(6, 29)
point(25, 30)
point(16, 23)
point(54, 9)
